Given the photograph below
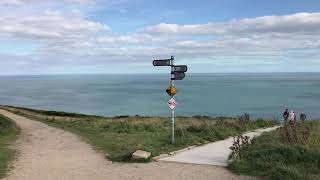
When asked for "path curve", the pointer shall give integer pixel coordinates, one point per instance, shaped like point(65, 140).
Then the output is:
point(215, 153)
point(47, 153)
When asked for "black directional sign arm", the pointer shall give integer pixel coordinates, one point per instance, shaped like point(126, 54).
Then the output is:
point(180, 68)
point(177, 72)
point(178, 76)
point(162, 62)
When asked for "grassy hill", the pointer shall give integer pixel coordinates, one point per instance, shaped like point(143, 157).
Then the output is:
point(292, 152)
point(119, 136)
point(8, 133)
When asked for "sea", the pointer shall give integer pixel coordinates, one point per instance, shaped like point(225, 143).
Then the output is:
point(262, 95)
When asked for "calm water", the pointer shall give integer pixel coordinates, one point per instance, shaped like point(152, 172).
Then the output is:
point(261, 95)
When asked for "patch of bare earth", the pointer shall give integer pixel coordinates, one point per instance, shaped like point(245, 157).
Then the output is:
point(47, 153)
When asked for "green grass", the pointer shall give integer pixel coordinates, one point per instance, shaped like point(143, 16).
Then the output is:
point(52, 113)
point(119, 136)
point(8, 133)
point(274, 157)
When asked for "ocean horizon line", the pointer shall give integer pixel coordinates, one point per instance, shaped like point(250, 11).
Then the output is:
point(194, 73)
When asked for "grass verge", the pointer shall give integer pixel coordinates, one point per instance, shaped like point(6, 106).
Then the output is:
point(119, 136)
point(8, 133)
point(292, 152)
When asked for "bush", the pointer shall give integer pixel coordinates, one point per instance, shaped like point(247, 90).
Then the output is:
point(201, 117)
point(240, 144)
point(283, 154)
point(295, 133)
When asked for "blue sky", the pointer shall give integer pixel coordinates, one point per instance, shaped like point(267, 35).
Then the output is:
point(139, 13)
point(107, 36)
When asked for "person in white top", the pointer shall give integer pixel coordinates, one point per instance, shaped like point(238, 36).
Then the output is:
point(292, 116)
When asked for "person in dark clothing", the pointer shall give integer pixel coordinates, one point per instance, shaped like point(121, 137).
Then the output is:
point(303, 116)
point(285, 115)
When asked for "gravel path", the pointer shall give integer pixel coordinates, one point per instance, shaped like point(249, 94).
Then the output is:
point(47, 153)
point(215, 153)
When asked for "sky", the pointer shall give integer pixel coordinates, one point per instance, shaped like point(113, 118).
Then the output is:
point(124, 36)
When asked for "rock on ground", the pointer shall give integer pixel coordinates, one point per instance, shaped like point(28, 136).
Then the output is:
point(140, 155)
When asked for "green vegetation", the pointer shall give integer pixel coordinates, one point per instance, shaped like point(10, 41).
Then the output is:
point(291, 152)
point(119, 136)
point(8, 133)
point(50, 113)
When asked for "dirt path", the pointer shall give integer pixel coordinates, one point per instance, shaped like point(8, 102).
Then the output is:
point(47, 153)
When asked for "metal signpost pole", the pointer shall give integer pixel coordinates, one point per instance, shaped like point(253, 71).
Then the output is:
point(172, 110)
point(177, 73)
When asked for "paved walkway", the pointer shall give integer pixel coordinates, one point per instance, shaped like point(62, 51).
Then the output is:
point(215, 153)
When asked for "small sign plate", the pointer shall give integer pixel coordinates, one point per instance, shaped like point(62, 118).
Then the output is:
point(165, 62)
point(177, 76)
point(180, 68)
point(172, 103)
point(171, 91)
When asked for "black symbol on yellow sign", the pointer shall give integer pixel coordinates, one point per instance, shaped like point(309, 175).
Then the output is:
point(171, 91)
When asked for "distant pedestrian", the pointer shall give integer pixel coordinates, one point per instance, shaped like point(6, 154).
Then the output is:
point(285, 115)
point(291, 116)
point(303, 116)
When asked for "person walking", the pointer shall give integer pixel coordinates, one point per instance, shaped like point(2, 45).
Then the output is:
point(303, 117)
point(291, 116)
point(285, 115)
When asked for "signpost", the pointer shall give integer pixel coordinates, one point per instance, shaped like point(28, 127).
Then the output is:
point(177, 73)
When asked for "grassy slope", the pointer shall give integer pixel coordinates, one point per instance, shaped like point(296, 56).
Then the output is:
point(8, 133)
point(271, 157)
point(120, 136)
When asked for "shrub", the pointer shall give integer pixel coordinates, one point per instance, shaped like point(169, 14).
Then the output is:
point(292, 152)
point(240, 144)
point(295, 133)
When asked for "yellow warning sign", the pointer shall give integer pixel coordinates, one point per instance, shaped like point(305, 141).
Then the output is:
point(171, 91)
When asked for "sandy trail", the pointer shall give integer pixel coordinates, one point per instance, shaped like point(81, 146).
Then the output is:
point(47, 153)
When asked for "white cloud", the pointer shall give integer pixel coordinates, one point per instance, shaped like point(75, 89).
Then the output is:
point(51, 25)
point(24, 2)
point(77, 12)
point(300, 22)
point(66, 39)
point(10, 2)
